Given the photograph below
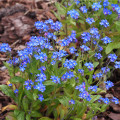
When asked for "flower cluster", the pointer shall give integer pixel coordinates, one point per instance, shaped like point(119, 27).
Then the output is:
point(70, 63)
point(104, 23)
point(90, 66)
point(4, 47)
point(83, 9)
point(73, 13)
point(90, 20)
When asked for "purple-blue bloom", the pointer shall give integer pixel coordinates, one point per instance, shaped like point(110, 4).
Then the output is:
point(4, 47)
point(90, 20)
point(71, 101)
point(73, 13)
point(117, 64)
point(112, 57)
point(109, 84)
point(83, 9)
point(72, 50)
point(115, 100)
point(105, 3)
point(106, 40)
point(40, 97)
point(98, 55)
point(70, 63)
point(40, 87)
point(84, 48)
point(107, 11)
point(16, 91)
point(93, 88)
point(104, 23)
point(90, 66)
point(81, 71)
point(55, 79)
point(105, 70)
point(96, 6)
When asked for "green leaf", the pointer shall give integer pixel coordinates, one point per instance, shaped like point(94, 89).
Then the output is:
point(36, 105)
point(36, 114)
point(77, 119)
point(70, 7)
point(111, 46)
point(19, 115)
point(60, 8)
point(25, 104)
point(28, 117)
point(45, 118)
point(49, 83)
point(10, 116)
point(64, 100)
point(7, 91)
point(94, 98)
point(17, 79)
point(104, 107)
point(10, 68)
point(29, 94)
point(96, 64)
point(72, 82)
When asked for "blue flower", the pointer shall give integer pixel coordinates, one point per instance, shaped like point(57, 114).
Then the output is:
point(40, 97)
point(55, 79)
point(67, 75)
point(42, 57)
point(70, 63)
point(98, 75)
point(90, 66)
point(115, 100)
point(85, 95)
point(96, 6)
point(105, 70)
point(98, 55)
point(10, 84)
point(81, 87)
point(73, 13)
point(109, 84)
point(83, 9)
point(112, 57)
point(77, 2)
point(4, 47)
point(84, 48)
point(40, 87)
point(72, 50)
point(28, 87)
point(94, 31)
point(106, 40)
point(71, 101)
point(41, 77)
point(105, 100)
point(86, 37)
point(104, 22)
point(107, 11)
point(93, 88)
point(90, 20)
point(42, 68)
point(99, 48)
point(81, 71)
point(117, 65)
point(105, 3)
point(53, 62)
point(16, 91)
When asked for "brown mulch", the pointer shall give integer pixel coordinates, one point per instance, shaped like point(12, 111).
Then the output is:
point(17, 19)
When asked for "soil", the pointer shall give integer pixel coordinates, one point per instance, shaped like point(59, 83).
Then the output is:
point(17, 19)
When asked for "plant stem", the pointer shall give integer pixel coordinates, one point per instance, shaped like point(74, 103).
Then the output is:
point(66, 26)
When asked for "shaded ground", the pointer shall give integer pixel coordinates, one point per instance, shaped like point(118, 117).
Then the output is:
point(17, 25)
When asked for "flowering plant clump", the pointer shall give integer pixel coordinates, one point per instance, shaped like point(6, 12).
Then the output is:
point(63, 78)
